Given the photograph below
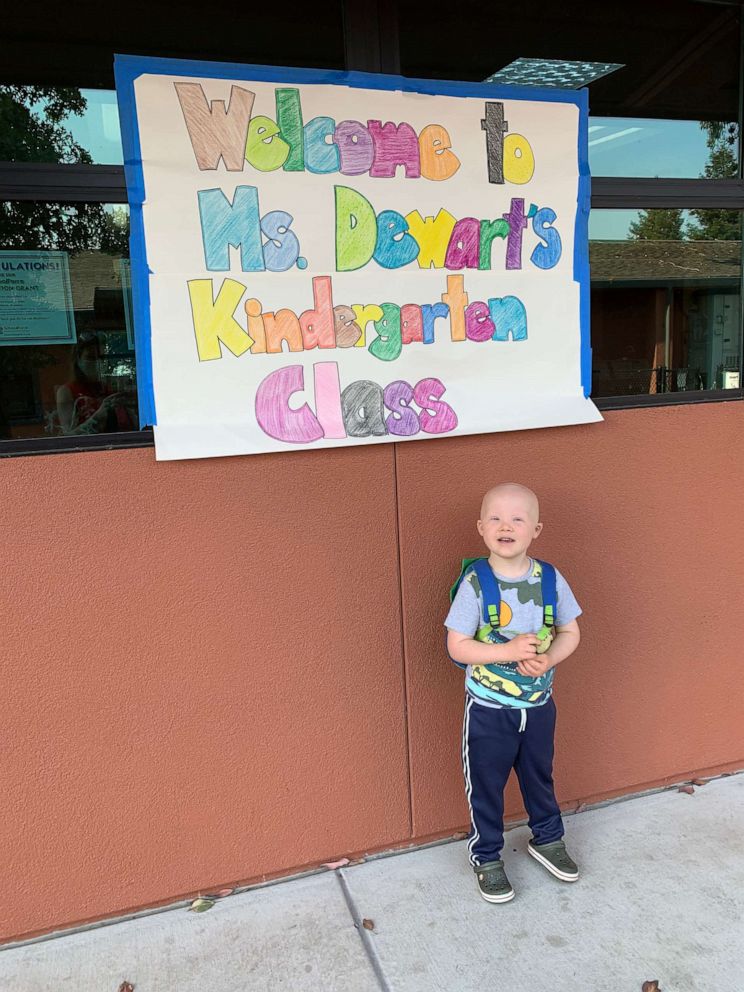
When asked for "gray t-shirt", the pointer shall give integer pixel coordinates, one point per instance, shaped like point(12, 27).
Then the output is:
point(521, 613)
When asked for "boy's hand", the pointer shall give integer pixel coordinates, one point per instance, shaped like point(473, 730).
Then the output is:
point(523, 647)
point(566, 641)
point(534, 667)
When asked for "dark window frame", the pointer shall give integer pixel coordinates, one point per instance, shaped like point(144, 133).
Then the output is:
point(368, 47)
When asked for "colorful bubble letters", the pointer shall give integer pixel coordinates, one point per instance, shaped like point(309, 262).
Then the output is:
point(354, 263)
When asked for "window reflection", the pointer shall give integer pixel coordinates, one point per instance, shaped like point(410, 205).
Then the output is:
point(62, 124)
point(662, 149)
point(67, 362)
point(666, 303)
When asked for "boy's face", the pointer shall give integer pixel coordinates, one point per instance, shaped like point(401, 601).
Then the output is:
point(509, 521)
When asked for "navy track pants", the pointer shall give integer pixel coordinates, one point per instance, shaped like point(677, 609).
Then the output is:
point(493, 742)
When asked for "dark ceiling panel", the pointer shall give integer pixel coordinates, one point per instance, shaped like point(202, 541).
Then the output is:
point(681, 57)
point(73, 44)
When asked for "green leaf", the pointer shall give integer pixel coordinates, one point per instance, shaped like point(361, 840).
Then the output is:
point(201, 905)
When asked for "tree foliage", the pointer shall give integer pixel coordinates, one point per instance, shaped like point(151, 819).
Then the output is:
point(32, 129)
point(718, 225)
point(32, 124)
point(657, 225)
point(37, 226)
point(702, 224)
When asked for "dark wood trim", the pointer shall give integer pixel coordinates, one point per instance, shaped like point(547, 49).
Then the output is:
point(106, 184)
point(57, 445)
point(687, 398)
point(63, 183)
point(629, 193)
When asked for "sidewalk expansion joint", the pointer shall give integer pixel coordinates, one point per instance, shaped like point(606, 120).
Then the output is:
point(364, 934)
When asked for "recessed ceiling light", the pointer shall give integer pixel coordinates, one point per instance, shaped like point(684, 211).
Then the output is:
point(552, 72)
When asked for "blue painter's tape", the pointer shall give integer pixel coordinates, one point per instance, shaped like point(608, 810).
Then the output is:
point(581, 242)
point(137, 245)
point(127, 68)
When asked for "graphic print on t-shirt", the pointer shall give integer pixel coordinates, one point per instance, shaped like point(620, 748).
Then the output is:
point(521, 613)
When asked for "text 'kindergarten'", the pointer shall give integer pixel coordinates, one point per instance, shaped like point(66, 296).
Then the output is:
point(228, 318)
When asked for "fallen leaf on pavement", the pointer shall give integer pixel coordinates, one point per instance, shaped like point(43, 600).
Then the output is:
point(698, 781)
point(368, 924)
point(461, 835)
point(336, 864)
point(201, 905)
point(580, 808)
point(651, 986)
point(689, 790)
point(220, 895)
point(126, 987)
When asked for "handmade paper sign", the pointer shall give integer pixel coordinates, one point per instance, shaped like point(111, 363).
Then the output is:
point(325, 258)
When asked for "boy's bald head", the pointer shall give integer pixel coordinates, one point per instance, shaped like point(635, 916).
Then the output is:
point(515, 491)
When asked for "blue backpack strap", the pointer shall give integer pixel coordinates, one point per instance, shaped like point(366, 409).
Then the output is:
point(549, 594)
point(490, 592)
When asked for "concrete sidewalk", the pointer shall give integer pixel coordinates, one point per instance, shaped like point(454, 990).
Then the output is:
point(661, 897)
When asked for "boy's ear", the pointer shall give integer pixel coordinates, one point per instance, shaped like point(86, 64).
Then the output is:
point(480, 527)
point(538, 529)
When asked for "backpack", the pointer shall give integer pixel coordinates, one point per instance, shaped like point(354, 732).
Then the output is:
point(492, 595)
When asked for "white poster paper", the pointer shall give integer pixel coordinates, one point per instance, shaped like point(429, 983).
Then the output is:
point(323, 259)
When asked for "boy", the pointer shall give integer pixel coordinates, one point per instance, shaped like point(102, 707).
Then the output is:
point(509, 713)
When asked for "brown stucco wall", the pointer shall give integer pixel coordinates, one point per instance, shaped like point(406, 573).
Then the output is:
point(643, 515)
point(218, 670)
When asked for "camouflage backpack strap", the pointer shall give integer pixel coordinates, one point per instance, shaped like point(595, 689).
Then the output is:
point(466, 563)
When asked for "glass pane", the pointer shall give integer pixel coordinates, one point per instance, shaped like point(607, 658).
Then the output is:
point(59, 124)
point(630, 146)
point(67, 363)
point(666, 300)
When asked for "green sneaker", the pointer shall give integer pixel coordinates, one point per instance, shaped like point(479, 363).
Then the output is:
point(556, 859)
point(492, 881)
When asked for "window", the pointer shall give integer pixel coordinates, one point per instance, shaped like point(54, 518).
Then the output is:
point(666, 301)
point(67, 359)
point(665, 158)
point(664, 147)
point(659, 149)
point(59, 124)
